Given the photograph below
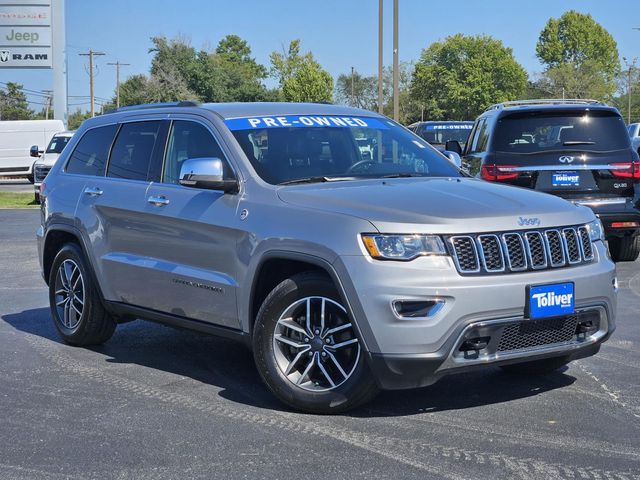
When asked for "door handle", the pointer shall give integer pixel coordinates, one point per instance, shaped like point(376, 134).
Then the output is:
point(158, 201)
point(93, 191)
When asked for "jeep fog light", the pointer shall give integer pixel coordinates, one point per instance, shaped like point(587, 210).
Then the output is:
point(403, 247)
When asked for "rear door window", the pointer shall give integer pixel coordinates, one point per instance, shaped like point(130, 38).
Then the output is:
point(90, 155)
point(133, 150)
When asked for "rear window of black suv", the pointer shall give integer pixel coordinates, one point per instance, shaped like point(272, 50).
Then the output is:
point(529, 132)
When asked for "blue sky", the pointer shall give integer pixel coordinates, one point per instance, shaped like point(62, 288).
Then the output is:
point(340, 33)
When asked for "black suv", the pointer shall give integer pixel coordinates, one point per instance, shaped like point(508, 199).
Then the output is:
point(576, 149)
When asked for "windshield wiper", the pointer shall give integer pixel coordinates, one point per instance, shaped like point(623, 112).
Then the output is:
point(402, 175)
point(317, 179)
point(578, 142)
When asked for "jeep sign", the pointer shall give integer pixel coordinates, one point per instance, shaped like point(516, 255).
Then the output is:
point(25, 34)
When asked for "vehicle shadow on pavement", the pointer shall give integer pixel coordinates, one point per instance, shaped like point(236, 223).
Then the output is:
point(228, 366)
point(462, 391)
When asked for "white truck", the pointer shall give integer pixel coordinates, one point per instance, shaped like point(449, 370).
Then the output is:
point(16, 139)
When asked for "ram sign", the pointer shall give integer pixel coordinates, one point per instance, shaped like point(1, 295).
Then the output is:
point(25, 34)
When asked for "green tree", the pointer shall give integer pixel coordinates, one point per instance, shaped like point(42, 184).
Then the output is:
point(179, 72)
point(580, 56)
point(76, 118)
point(457, 78)
point(357, 90)
point(229, 74)
point(301, 77)
point(13, 103)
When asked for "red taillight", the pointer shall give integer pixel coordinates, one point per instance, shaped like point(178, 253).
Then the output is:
point(626, 170)
point(625, 224)
point(498, 173)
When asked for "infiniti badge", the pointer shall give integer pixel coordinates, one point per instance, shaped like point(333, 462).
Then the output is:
point(566, 159)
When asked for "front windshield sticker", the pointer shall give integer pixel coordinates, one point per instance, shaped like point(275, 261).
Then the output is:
point(292, 121)
point(448, 127)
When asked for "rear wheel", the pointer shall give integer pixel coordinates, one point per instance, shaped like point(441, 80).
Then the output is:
point(76, 309)
point(625, 249)
point(307, 350)
point(537, 367)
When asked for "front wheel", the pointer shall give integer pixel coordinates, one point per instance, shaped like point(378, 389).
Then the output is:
point(307, 350)
point(625, 249)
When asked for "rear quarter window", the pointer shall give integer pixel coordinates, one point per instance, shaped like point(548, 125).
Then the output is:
point(90, 155)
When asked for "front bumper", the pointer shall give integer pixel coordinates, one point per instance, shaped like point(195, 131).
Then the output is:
point(393, 372)
point(407, 352)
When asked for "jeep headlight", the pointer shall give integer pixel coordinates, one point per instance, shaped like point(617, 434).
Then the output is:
point(596, 230)
point(403, 247)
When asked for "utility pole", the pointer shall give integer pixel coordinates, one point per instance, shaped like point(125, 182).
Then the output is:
point(118, 65)
point(396, 65)
point(353, 97)
point(380, 65)
point(48, 105)
point(630, 67)
point(91, 54)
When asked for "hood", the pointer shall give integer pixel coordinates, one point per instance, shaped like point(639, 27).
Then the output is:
point(437, 205)
point(48, 159)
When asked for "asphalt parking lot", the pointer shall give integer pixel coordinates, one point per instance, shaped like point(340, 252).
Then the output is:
point(155, 402)
point(15, 185)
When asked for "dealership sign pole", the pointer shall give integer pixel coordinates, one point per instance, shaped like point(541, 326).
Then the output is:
point(32, 36)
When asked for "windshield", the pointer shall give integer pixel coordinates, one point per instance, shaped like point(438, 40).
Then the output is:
point(439, 134)
point(57, 144)
point(292, 147)
point(582, 130)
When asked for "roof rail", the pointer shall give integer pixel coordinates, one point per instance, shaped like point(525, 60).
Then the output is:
point(144, 106)
point(545, 101)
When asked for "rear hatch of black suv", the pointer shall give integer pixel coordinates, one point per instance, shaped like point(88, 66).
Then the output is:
point(582, 154)
point(579, 154)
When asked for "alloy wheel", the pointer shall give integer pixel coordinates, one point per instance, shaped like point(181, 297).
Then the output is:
point(69, 294)
point(315, 344)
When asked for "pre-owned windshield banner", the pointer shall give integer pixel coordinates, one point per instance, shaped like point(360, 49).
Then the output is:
point(293, 121)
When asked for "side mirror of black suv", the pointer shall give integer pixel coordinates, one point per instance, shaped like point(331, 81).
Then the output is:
point(453, 146)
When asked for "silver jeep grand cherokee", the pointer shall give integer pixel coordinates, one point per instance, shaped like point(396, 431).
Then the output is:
point(348, 253)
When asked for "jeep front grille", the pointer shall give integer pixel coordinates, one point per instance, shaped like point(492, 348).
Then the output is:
point(521, 251)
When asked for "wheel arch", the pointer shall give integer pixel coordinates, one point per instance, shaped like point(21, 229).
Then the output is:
point(276, 266)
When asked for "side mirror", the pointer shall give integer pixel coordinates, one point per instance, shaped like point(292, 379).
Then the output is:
point(34, 151)
point(453, 146)
point(454, 157)
point(206, 173)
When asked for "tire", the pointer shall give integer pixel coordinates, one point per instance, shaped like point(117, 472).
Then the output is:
point(36, 198)
point(625, 249)
point(537, 367)
point(82, 320)
point(338, 378)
